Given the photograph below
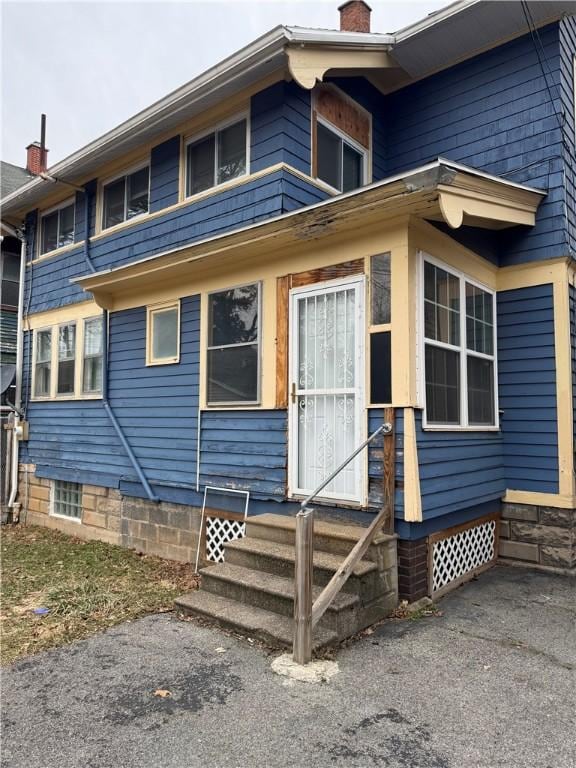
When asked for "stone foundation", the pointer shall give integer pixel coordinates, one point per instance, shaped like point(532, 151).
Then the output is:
point(539, 536)
point(165, 530)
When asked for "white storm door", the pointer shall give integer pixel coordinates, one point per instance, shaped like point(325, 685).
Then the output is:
point(327, 381)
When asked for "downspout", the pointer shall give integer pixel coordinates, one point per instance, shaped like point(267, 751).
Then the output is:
point(17, 429)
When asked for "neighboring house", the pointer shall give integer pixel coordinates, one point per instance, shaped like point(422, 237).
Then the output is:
point(324, 225)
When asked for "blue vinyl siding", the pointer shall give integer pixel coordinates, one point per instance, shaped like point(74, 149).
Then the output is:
point(492, 112)
point(527, 388)
point(280, 127)
point(164, 174)
point(567, 87)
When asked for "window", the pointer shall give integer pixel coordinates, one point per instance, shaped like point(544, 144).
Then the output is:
point(92, 368)
point(43, 363)
point(459, 364)
point(340, 161)
point(380, 289)
point(66, 359)
point(67, 499)
point(57, 228)
point(163, 333)
point(9, 288)
point(218, 157)
point(233, 346)
point(126, 197)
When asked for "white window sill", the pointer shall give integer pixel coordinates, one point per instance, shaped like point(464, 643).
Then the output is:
point(66, 517)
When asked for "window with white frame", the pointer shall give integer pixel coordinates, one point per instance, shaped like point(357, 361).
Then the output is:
point(66, 372)
point(125, 197)
point(340, 161)
point(459, 350)
point(43, 363)
point(217, 157)
point(57, 227)
point(163, 334)
point(92, 356)
point(233, 365)
point(66, 499)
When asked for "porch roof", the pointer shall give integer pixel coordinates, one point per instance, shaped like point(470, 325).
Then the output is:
point(439, 191)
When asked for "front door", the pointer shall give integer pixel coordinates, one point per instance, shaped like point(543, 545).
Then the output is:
point(327, 377)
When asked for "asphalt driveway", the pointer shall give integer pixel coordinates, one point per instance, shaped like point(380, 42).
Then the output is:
point(491, 682)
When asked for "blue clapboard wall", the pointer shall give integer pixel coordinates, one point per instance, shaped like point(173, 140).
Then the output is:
point(567, 92)
point(494, 113)
point(527, 388)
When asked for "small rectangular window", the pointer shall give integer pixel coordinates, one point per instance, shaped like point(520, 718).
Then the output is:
point(67, 499)
point(92, 365)
point(57, 228)
point(233, 346)
point(380, 288)
point(43, 364)
point(339, 161)
point(216, 158)
point(126, 197)
point(66, 359)
point(163, 329)
point(380, 368)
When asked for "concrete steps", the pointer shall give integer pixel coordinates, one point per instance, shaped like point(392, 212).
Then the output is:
point(252, 591)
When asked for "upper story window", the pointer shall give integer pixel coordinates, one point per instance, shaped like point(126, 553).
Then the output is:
point(217, 157)
point(342, 139)
point(459, 350)
point(340, 162)
point(125, 197)
point(234, 346)
point(10, 285)
point(57, 227)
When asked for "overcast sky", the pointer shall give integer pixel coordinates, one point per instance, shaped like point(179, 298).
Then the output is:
point(91, 65)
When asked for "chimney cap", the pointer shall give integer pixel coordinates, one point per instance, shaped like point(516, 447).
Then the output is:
point(34, 144)
point(350, 2)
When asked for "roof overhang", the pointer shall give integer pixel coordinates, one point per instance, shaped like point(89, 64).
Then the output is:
point(459, 31)
point(439, 191)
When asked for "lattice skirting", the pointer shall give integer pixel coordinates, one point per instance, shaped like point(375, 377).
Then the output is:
point(219, 531)
point(459, 553)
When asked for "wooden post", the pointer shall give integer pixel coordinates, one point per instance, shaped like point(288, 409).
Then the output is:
point(304, 564)
point(389, 454)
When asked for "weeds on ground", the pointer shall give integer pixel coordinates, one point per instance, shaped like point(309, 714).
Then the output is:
point(56, 588)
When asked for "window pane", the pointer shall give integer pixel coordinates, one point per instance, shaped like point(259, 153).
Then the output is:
point(201, 165)
point(380, 368)
point(114, 203)
point(44, 346)
point(232, 151)
point(442, 385)
point(137, 193)
point(165, 334)
point(352, 162)
point(92, 367)
point(93, 336)
point(66, 353)
point(11, 266)
point(233, 375)
point(66, 233)
point(480, 391)
point(50, 232)
point(92, 375)
point(42, 384)
point(441, 305)
point(67, 499)
point(329, 156)
point(380, 289)
point(234, 316)
point(479, 320)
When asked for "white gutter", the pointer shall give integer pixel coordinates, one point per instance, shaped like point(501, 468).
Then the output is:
point(434, 18)
point(17, 430)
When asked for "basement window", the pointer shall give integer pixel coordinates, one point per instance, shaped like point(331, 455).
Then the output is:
point(67, 499)
point(126, 197)
point(234, 346)
point(217, 157)
point(57, 227)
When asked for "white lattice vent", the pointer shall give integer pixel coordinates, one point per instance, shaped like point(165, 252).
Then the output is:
point(218, 532)
point(456, 557)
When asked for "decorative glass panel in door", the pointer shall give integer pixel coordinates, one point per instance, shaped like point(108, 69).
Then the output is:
point(327, 376)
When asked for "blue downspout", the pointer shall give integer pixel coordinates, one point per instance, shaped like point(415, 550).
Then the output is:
point(107, 407)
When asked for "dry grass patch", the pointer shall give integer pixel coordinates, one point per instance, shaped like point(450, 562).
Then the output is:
point(85, 586)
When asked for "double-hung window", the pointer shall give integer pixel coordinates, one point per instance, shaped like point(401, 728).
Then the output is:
point(126, 197)
point(217, 157)
point(340, 161)
point(234, 346)
point(57, 228)
point(459, 350)
point(43, 363)
point(92, 365)
point(66, 359)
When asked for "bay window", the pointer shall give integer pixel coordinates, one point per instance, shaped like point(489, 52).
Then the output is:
point(217, 157)
point(233, 348)
point(459, 350)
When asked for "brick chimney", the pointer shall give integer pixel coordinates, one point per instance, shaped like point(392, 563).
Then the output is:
point(355, 16)
point(36, 161)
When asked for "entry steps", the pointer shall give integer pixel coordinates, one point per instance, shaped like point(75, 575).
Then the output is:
point(253, 590)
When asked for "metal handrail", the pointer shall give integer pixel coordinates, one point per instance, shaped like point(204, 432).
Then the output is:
point(306, 614)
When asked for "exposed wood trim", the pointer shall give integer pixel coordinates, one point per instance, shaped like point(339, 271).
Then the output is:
point(314, 144)
point(389, 475)
point(282, 291)
point(344, 113)
point(323, 274)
